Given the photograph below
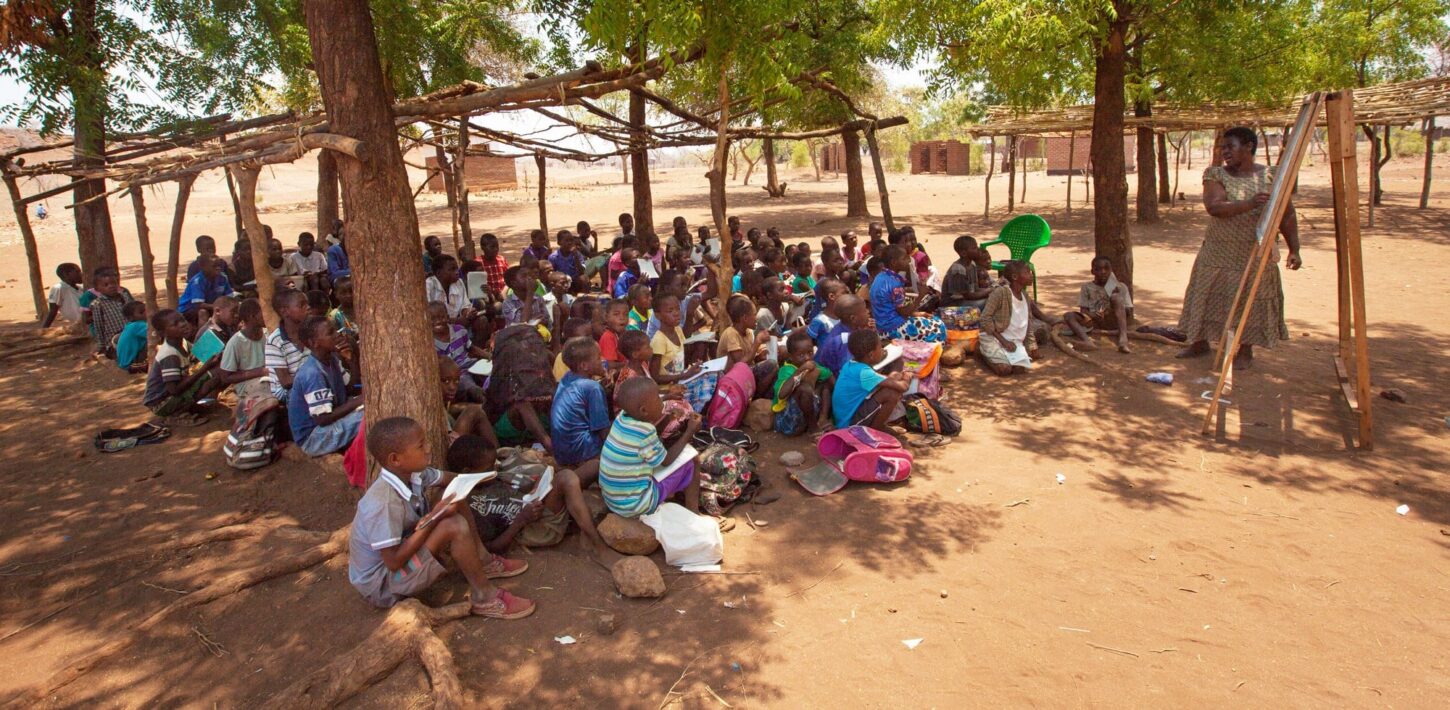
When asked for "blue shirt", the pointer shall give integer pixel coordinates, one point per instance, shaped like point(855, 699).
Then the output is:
point(820, 325)
point(856, 383)
point(316, 390)
point(199, 291)
point(337, 264)
point(579, 420)
point(831, 350)
point(571, 263)
point(622, 284)
point(887, 292)
point(131, 343)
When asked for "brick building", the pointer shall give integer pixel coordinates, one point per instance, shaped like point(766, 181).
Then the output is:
point(833, 157)
point(481, 172)
point(950, 157)
point(1057, 149)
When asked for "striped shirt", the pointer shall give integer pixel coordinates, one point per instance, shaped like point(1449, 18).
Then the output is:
point(631, 453)
point(281, 354)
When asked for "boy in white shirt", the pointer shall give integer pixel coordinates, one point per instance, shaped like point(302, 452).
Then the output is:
point(65, 296)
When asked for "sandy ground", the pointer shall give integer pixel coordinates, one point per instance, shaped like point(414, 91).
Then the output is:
point(1264, 565)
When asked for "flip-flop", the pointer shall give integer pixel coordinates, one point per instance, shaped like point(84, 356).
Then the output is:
point(187, 419)
point(726, 524)
point(928, 441)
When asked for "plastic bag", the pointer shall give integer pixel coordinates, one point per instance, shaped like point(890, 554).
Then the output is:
point(688, 539)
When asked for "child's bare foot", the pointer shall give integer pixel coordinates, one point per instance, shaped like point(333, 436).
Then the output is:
point(1193, 350)
point(1085, 344)
point(1123, 347)
point(502, 605)
point(602, 554)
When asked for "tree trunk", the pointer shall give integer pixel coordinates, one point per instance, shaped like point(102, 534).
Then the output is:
point(173, 252)
point(1071, 158)
point(148, 261)
point(450, 186)
point(880, 177)
point(987, 184)
point(624, 165)
point(734, 161)
point(1011, 169)
point(644, 212)
point(716, 176)
point(1429, 162)
point(460, 184)
point(401, 370)
point(1386, 154)
point(772, 184)
point(326, 192)
point(1264, 141)
point(88, 101)
point(1147, 168)
point(1165, 190)
point(236, 205)
point(1178, 160)
point(32, 252)
point(246, 177)
point(855, 184)
point(1374, 172)
point(815, 162)
point(1110, 178)
point(539, 161)
point(750, 165)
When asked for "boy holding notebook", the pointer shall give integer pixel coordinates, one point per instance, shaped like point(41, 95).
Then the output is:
point(633, 454)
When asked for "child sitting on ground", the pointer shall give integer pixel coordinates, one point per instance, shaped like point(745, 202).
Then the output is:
point(102, 307)
point(828, 291)
point(285, 351)
point(284, 270)
point(523, 304)
point(802, 389)
point(171, 394)
point(243, 363)
point(742, 344)
point(397, 541)
point(579, 416)
point(962, 286)
point(633, 451)
point(862, 395)
point(310, 263)
point(451, 341)
point(65, 297)
point(573, 328)
point(318, 304)
point(131, 343)
point(223, 320)
point(323, 418)
point(342, 317)
point(638, 355)
point(1102, 303)
point(616, 316)
point(629, 272)
point(1008, 343)
point(641, 297)
point(569, 260)
point(894, 310)
point(667, 365)
point(538, 247)
point(832, 351)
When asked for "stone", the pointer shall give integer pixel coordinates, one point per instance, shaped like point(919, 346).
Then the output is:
point(605, 624)
point(638, 577)
point(954, 355)
point(792, 458)
point(759, 417)
point(628, 536)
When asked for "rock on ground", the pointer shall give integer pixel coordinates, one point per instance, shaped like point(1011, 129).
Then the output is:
point(638, 577)
point(628, 536)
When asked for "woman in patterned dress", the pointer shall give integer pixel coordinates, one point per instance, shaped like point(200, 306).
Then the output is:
point(1234, 194)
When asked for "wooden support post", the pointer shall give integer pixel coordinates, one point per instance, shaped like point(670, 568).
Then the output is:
point(1353, 335)
point(1429, 162)
point(1071, 157)
point(236, 202)
point(1024, 178)
point(246, 175)
point(460, 183)
point(987, 184)
point(880, 176)
point(173, 251)
point(32, 252)
point(143, 235)
point(541, 161)
point(1011, 171)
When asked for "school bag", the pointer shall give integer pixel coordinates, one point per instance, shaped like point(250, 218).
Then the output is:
point(922, 359)
point(855, 453)
point(708, 435)
point(727, 476)
point(110, 441)
point(929, 416)
point(732, 396)
point(251, 446)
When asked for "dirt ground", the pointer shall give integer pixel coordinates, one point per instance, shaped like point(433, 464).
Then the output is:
point(1264, 565)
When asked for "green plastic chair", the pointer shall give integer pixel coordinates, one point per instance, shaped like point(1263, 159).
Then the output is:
point(1023, 235)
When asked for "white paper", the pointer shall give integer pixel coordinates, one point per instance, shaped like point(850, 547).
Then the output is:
point(714, 248)
point(687, 455)
point(482, 368)
point(707, 336)
point(476, 285)
point(1019, 356)
point(709, 366)
point(462, 484)
point(647, 269)
point(1403, 509)
point(893, 352)
point(565, 640)
point(912, 643)
point(546, 484)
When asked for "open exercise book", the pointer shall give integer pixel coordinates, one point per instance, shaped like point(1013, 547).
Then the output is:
point(707, 367)
point(461, 485)
point(546, 484)
point(687, 455)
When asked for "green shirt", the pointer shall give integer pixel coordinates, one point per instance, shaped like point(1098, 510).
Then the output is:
point(787, 371)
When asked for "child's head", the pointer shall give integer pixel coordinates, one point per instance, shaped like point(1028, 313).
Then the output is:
point(776, 290)
point(520, 279)
point(567, 241)
point(318, 303)
point(874, 265)
point(538, 239)
point(438, 320)
point(677, 259)
point(848, 238)
point(640, 399)
point(733, 223)
point(640, 297)
point(225, 311)
point(852, 311)
point(205, 245)
point(399, 445)
point(305, 243)
point(70, 273)
point(873, 231)
point(1102, 268)
point(1018, 274)
point(804, 248)
point(832, 260)
point(470, 454)
point(680, 228)
point(626, 223)
point(983, 258)
point(651, 244)
point(578, 328)
point(448, 376)
point(583, 230)
point(966, 247)
point(800, 348)
point(801, 263)
point(616, 314)
point(106, 280)
point(445, 267)
point(274, 250)
point(896, 259)
point(629, 258)
point(342, 292)
point(209, 264)
point(667, 310)
point(318, 336)
point(249, 312)
point(134, 311)
point(581, 356)
point(559, 282)
point(488, 243)
point(290, 305)
point(743, 257)
point(170, 325)
point(703, 233)
point(433, 245)
point(865, 346)
point(790, 252)
point(828, 290)
point(773, 259)
point(829, 242)
point(673, 283)
point(741, 312)
point(752, 284)
point(634, 345)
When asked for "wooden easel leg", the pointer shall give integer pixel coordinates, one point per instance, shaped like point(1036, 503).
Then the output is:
point(1353, 325)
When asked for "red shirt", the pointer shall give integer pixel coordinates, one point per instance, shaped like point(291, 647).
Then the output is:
point(609, 347)
point(494, 269)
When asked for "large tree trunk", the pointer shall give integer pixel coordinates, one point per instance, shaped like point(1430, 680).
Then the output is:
point(32, 252)
point(772, 183)
point(1165, 191)
point(460, 190)
point(88, 99)
point(246, 178)
point(716, 176)
point(1147, 168)
point(326, 192)
point(1429, 162)
point(173, 251)
point(644, 212)
point(1011, 169)
point(143, 235)
point(880, 177)
point(401, 369)
point(855, 183)
point(1110, 178)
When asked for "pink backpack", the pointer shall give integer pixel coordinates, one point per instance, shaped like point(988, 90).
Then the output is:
point(732, 397)
point(856, 453)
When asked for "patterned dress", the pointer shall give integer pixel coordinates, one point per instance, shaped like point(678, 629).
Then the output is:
point(1222, 259)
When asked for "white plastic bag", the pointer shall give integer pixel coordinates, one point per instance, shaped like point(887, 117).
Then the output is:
point(688, 539)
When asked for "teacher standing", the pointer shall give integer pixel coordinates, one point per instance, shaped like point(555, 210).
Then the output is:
point(1234, 194)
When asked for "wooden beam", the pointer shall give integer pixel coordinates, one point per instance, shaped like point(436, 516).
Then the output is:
point(173, 254)
point(143, 236)
point(246, 176)
point(32, 252)
point(880, 176)
point(541, 162)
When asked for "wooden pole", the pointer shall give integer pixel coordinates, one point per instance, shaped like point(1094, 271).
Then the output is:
point(32, 252)
point(1071, 159)
point(173, 251)
point(143, 235)
point(1429, 162)
point(1353, 335)
point(717, 194)
point(880, 176)
point(460, 184)
point(1165, 190)
point(1178, 160)
point(1024, 177)
point(246, 178)
point(450, 186)
point(236, 203)
point(1011, 173)
point(987, 184)
point(539, 161)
